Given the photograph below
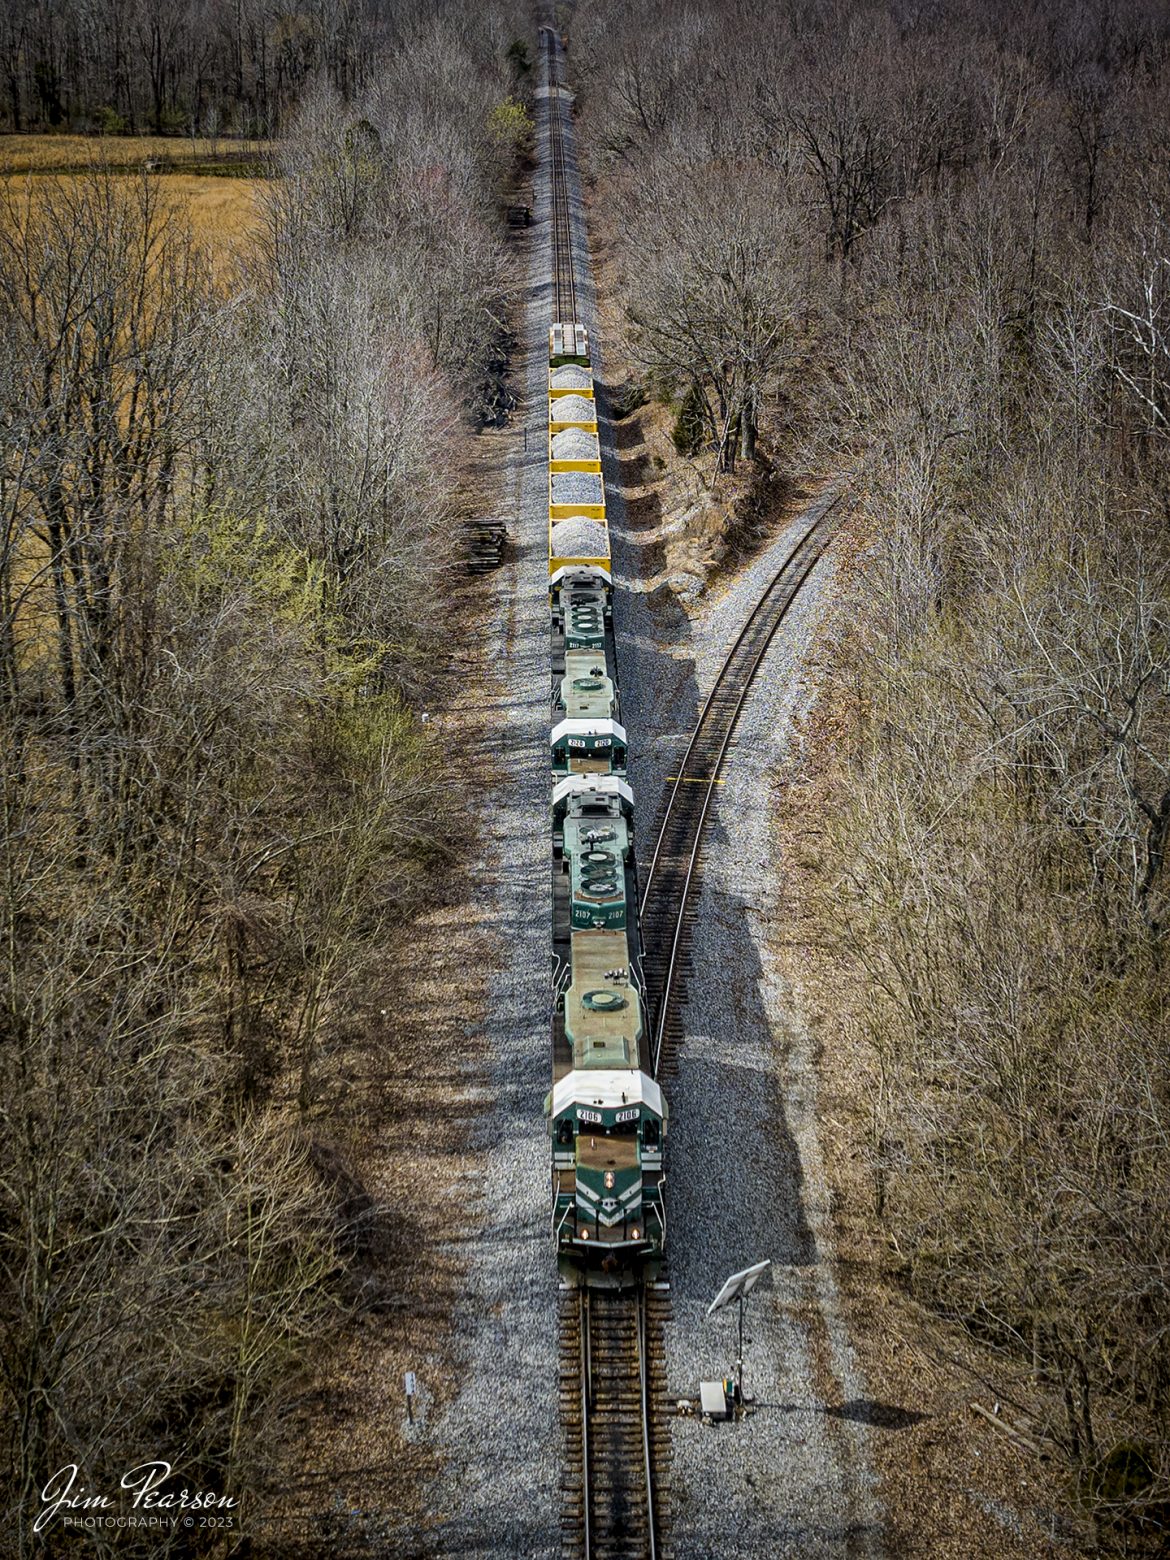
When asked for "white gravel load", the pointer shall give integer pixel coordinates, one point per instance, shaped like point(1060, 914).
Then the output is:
point(572, 408)
point(571, 378)
point(580, 537)
point(577, 487)
point(575, 444)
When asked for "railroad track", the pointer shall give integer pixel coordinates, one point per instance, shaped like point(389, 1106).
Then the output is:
point(669, 900)
point(612, 1355)
point(564, 279)
point(613, 1388)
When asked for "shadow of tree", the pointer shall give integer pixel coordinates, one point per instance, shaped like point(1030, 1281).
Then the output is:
point(883, 1416)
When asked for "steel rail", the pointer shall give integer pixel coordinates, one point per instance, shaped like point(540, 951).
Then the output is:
point(764, 601)
point(771, 600)
point(586, 1366)
point(615, 1450)
point(644, 1382)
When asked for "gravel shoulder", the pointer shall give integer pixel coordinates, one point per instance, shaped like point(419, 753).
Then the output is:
point(500, 1439)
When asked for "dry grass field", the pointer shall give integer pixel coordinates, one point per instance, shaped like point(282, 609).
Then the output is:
point(224, 213)
point(123, 153)
point(212, 180)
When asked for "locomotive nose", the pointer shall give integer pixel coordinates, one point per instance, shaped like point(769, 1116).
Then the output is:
point(609, 1189)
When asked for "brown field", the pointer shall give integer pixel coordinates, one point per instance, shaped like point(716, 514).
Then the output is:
point(225, 217)
point(217, 191)
point(73, 153)
point(224, 213)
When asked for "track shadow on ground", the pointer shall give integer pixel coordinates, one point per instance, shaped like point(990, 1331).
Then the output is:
point(636, 469)
point(646, 558)
point(735, 1121)
point(861, 1411)
point(643, 513)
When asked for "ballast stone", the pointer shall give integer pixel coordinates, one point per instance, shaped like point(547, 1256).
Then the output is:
point(575, 444)
point(579, 537)
point(569, 378)
point(573, 408)
point(577, 487)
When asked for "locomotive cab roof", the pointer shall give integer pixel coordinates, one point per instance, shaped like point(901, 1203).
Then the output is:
point(587, 790)
point(593, 574)
point(577, 727)
point(611, 1090)
point(597, 796)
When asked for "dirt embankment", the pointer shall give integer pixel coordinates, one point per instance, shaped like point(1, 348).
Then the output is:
point(689, 524)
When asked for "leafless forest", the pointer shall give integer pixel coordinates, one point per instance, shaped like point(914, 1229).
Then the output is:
point(927, 247)
point(923, 249)
point(216, 501)
point(217, 67)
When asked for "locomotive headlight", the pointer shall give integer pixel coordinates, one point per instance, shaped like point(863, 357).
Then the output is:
point(635, 1233)
point(584, 1234)
point(609, 1180)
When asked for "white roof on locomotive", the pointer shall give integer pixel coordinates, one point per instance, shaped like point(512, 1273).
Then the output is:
point(607, 1091)
point(580, 785)
point(588, 728)
point(582, 571)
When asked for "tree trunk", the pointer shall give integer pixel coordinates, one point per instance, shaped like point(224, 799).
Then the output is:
point(748, 427)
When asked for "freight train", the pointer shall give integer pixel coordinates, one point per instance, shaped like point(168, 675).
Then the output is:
point(606, 1113)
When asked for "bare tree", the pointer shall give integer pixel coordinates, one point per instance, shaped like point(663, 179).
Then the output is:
point(716, 305)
